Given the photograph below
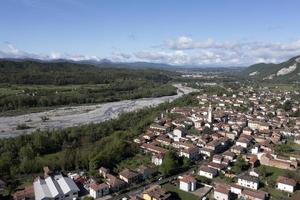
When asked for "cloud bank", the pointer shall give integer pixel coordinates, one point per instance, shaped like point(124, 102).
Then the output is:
point(183, 50)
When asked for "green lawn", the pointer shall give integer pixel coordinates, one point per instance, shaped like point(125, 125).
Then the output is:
point(182, 195)
point(270, 181)
point(134, 162)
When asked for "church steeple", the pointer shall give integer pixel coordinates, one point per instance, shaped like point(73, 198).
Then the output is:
point(209, 114)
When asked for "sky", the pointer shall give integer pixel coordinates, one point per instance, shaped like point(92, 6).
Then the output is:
point(179, 32)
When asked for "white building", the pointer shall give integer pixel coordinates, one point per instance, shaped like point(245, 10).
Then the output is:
point(187, 183)
point(157, 159)
point(221, 193)
point(255, 149)
point(179, 132)
point(286, 184)
point(55, 188)
point(248, 181)
point(207, 172)
point(98, 190)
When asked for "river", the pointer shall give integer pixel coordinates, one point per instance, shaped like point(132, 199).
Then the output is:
point(70, 116)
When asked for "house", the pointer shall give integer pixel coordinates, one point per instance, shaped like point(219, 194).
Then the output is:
point(236, 189)
point(103, 171)
point(187, 183)
point(207, 152)
point(286, 184)
point(26, 193)
point(229, 155)
point(243, 142)
point(146, 172)
point(237, 149)
point(98, 190)
point(153, 149)
point(248, 181)
point(55, 187)
point(156, 193)
point(255, 149)
point(179, 132)
point(217, 159)
point(253, 195)
point(190, 153)
point(159, 128)
point(114, 183)
point(297, 139)
point(207, 172)
point(222, 192)
point(129, 176)
point(164, 140)
point(252, 160)
point(269, 160)
point(254, 172)
point(157, 159)
point(216, 166)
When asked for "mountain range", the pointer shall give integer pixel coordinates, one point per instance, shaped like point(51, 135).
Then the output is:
point(285, 72)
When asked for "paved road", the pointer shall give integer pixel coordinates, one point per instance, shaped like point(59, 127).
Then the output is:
point(79, 115)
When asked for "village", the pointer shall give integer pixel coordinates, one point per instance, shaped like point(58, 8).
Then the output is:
point(242, 146)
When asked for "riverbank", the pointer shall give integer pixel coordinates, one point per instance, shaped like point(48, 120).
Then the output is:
point(70, 116)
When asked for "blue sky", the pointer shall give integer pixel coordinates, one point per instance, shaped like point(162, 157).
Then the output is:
point(186, 32)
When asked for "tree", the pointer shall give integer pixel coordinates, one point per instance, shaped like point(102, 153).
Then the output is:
point(287, 106)
point(88, 198)
point(240, 165)
point(207, 130)
point(170, 164)
point(186, 162)
point(263, 171)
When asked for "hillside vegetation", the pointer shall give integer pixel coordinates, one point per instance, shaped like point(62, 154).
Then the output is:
point(31, 84)
point(285, 72)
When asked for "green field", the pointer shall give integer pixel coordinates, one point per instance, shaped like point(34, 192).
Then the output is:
point(269, 181)
point(179, 194)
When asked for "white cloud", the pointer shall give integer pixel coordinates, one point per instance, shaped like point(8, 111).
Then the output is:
point(184, 51)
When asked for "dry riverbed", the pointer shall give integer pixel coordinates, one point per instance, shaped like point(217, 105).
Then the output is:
point(78, 115)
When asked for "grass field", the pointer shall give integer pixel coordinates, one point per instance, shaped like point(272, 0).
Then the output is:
point(270, 181)
point(179, 194)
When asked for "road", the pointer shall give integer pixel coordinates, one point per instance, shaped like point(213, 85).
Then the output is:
point(70, 116)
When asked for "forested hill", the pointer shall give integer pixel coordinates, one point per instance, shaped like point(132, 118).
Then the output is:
point(62, 73)
point(285, 72)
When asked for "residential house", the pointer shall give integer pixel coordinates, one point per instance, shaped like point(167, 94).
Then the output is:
point(207, 152)
point(103, 171)
point(216, 166)
point(156, 193)
point(248, 181)
point(187, 183)
point(222, 192)
point(26, 193)
point(253, 195)
point(286, 184)
point(190, 153)
point(269, 160)
point(98, 190)
point(146, 172)
point(207, 172)
point(129, 176)
point(114, 183)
